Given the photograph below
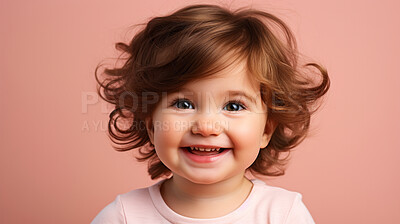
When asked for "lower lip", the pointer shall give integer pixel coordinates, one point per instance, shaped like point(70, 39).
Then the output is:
point(204, 159)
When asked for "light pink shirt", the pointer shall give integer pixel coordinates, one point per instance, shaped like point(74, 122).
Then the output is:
point(265, 204)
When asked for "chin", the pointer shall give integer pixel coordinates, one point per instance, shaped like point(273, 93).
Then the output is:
point(205, 179)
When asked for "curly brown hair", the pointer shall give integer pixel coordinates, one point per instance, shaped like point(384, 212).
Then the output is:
point(198, 41)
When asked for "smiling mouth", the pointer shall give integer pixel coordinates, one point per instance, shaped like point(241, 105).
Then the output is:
point(204, 151)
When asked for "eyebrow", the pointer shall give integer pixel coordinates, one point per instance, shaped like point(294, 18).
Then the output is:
point(241, 93)
point(230, 93)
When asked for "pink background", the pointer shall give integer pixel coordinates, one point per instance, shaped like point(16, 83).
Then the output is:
point(56, 162)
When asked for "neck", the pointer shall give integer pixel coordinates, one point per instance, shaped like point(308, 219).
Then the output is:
point(193, 191)
point(225, 196)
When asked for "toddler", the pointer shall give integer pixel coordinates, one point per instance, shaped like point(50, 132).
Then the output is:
point(209, 96)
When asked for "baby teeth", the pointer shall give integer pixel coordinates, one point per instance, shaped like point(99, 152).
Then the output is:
point(204, 149)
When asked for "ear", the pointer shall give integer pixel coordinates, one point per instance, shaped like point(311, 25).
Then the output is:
point(268, 131)
point(150, 129)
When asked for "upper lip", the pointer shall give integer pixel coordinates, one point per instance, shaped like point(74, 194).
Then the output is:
point(205, 146)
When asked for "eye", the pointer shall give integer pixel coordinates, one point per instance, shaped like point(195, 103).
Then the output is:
point(182, 104)
point(234, 106)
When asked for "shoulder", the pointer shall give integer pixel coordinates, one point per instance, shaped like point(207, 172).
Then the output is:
point(283, 206)
point(112, 213)
point(275, 194)
point(138, 195)
point(116, 211)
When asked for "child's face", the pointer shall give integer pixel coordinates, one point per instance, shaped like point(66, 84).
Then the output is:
point(206, 116)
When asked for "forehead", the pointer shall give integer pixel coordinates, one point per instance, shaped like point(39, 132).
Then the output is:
point(234, 78)
point(234, 81)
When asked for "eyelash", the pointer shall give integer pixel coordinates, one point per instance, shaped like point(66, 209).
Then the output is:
point(177, 100)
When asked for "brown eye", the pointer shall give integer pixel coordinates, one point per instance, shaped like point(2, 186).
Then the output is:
point(182, 104)
point(234, 106)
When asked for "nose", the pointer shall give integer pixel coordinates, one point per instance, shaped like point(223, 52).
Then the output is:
point(207, 124)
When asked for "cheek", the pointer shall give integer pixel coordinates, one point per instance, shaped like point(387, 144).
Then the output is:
point(247, 132)
point(167, 132)
point(164, 136)
point(165, 145)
